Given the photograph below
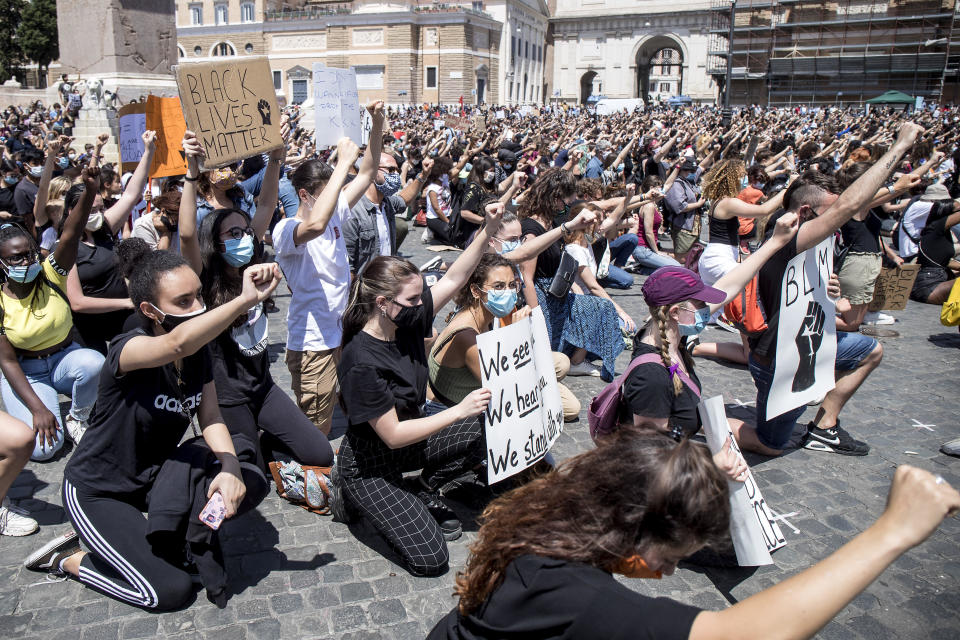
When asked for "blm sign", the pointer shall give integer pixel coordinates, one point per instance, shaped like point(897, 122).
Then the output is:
point(231, 106)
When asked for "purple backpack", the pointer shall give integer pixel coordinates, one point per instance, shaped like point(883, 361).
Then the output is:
point(605, 407)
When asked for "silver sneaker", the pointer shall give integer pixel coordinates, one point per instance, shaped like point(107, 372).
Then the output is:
point(15, 521)
point(75, 428)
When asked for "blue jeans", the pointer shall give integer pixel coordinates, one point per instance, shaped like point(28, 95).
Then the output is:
point(852, 348)
point(649, 258)
point(620, 250)
point(617, 278)
point(74, 372)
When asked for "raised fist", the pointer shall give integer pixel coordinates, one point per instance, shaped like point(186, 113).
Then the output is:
point(264, 110)
point(808, 343)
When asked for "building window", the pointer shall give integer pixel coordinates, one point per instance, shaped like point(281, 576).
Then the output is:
point(299, 91)
point(431, 78)
point(196, 14)
point(223, 49)
point(539, 53)
point(220, 14)
point(369, 77)
point(277, 80)
point(513, 48)
point(197, 50)
point(526, 49)
point(246, 12)
point(248, 48)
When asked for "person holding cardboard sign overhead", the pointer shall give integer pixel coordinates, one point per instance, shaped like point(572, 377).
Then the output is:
point(312, 251)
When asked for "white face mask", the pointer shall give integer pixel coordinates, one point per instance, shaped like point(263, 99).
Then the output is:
point(95, 221)
point(36, 172)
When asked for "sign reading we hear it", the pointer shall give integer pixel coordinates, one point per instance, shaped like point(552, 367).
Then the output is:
point(231, 106)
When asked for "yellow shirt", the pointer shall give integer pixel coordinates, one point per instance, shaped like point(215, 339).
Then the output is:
point(50, 321)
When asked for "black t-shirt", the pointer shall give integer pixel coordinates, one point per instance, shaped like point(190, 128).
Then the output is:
point(241, 363)
point(137, 421)
point(725, 231)
point(377, 375)
point(648, 392)
point(99, 269)
point(862, 236)
point(770, 279)
point(936, 244)
point(6, 201)
point(548, 262)
point(543, 598)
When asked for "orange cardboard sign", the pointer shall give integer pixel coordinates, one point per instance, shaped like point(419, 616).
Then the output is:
point(166, 118)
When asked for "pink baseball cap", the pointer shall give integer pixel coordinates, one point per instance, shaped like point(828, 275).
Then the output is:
point(669, 285)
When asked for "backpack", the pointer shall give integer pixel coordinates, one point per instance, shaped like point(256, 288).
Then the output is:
point(306, 486)
point(746, 311)
point(604, 409)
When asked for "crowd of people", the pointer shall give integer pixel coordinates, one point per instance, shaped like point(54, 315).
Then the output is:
point(147, 303)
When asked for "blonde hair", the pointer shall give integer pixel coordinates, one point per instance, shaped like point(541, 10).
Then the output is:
point(58, 188)
point(723, 180)
point(573, 237)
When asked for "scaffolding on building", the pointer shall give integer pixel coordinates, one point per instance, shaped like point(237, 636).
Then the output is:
point(842, 52)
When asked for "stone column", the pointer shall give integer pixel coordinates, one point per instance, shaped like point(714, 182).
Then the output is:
point(121, 50)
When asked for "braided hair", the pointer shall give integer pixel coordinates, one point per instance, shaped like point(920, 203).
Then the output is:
point(660, 317)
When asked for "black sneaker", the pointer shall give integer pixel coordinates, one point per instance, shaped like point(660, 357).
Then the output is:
point(338, 502)
point(834, 440)
point(48, 557)
point(448, 521)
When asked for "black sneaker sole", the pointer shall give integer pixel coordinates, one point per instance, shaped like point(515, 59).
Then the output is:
point(338, 507)
point(40, 560)
point(816, 445)
point(451, 534)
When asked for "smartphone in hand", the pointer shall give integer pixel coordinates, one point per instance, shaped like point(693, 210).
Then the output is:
point(214, 512)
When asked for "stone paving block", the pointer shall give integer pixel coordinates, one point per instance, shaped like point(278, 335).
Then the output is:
point(348, 617)
point(268, 629)
point(386, 611)
point(354, 591)
point(286, 603)
point(145, 627)
point(107, 631)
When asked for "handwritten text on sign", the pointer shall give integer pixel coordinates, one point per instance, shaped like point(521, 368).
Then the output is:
point(893, 287)
point(807, 332)
point(753, 529)
point(231, 106)
point(131, 123)
point(336, 106)
point(524, 417)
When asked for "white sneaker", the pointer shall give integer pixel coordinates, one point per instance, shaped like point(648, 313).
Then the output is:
point(427, 236)
point(584, 369)
point(878, 318)
point(15, 521)
point(76, 428)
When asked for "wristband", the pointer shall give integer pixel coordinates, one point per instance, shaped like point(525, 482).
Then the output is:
point(890, 189)
point(563, 228)
point(189, 179)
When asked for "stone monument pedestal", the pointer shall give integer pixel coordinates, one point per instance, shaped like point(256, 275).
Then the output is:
point(122, 50)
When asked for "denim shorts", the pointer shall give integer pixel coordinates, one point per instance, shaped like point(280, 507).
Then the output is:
point(852, 348)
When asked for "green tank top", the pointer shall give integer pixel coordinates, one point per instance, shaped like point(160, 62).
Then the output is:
point(450, 384)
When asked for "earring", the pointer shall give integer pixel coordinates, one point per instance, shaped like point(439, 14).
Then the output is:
point(383, 312)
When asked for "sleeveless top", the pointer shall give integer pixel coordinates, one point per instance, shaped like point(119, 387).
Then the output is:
point(450, 384)
point(725, 231)
point(657, 221)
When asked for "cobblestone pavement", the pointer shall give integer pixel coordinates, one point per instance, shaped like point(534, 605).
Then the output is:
point(297, 575)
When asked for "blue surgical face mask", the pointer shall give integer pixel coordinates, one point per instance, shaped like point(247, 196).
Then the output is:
point(702, 318)
point(506, 246)
point(620, 168)
point(391, 184)
point(744, 182)
point(63, 162)
point(238, 252)
point(501, 303)
point(11, 179)
point(24, 273)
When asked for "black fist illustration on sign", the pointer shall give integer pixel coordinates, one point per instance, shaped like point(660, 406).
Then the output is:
point(264, 110)
point(808, 343)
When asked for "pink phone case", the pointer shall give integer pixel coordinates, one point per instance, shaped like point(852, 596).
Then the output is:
point(214, 512)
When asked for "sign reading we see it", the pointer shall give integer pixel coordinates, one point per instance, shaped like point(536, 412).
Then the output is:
point(231, 106)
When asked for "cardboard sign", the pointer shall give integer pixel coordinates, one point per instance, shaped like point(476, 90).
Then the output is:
point(524, 417)
point(754, 530)
point(893, 288)
point(131, 123)
point(336, 106)
point(807, 332)
point(501, 114)
point(166, 118)
point(231, 106)
point(438, 124)
point(460, 124)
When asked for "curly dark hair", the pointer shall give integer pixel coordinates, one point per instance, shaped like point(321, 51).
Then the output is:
point(488, 262)
point(637, 488)
point(547, 193)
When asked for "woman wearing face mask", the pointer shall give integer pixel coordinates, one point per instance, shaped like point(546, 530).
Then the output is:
point(157, 377)
point(38, 354)
point(11, 177)
point(439, 202)
point(98, 295)
point(221, 189)
point(664, 394)
point(159, 228)
point(481, 186)
point(383, 387)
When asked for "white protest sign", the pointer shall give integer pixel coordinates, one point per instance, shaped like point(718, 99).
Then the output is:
point(807, 332)
point(366, 126)
point(438, 124)
point(524, 417)
point(753, 529)
point(336, 105)
point(131, 123)
point(501, 114)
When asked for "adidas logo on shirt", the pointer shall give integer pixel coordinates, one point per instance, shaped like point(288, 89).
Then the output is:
point(168, 403)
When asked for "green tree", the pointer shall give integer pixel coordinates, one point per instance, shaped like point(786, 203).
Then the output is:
point(11, 57)
point(37, 35)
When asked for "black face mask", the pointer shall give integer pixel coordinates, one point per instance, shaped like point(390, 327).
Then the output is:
point(407, 317)
point(171, 321)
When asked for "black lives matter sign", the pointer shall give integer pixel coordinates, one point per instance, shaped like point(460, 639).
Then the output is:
point(231, 106)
